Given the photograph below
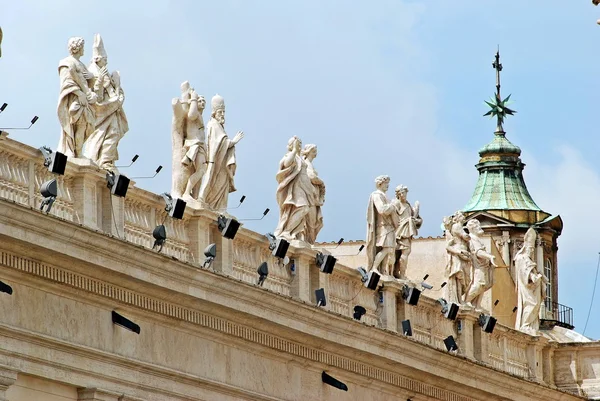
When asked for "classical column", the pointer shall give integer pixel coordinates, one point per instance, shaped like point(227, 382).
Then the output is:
point(8, 376)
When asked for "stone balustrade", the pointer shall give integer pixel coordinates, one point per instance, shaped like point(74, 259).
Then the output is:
point(85, 199)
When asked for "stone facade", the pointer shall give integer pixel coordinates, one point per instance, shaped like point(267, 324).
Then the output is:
point(213, 334)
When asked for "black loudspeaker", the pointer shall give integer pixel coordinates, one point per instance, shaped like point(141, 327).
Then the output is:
point(406, 328)
point(372, 280)
point(281, 248)
point(452, 311)
point(320, 295)
point(177, 209)
point(411, 295)
point(49, 189)
point(58, 163)
point(122, 321)
point(359, 311)
point(450, 343)
point(228, 227)
point(332, 381)
point(326, 262)
point(487, 323)
point(118, 184)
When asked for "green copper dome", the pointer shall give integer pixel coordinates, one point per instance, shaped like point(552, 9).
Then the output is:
point(501, 185)
point(500, 145)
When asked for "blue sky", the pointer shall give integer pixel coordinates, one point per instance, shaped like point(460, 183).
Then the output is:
point(385, 87)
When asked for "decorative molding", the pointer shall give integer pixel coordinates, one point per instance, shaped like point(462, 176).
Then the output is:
point(223, 326)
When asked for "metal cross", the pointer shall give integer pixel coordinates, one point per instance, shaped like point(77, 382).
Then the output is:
point(498, 67)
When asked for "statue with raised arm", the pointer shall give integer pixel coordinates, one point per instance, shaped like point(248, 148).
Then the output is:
point(111, 122)
point(188, 143)
point(381, 238)
point(218, 181)
point(314, 222)
point(458, 266)
point(75, 101)
point(483, 265)
point(297, 196)
point(407, 222)
point(530, 283)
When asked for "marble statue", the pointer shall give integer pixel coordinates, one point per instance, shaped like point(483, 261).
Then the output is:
point(188, 143)
point(458, 261)
point(596, 2)
point(300, 194)
point(314, 223)
point(407, 222)
point(111, 122)
point(218, 182)
point(530, 286)
point(381, 238)
point(75, 101)
point(483, 265)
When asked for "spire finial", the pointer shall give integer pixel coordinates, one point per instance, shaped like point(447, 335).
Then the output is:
point(498, 106)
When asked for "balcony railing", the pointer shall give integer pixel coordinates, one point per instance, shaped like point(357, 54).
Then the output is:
point(558, 314)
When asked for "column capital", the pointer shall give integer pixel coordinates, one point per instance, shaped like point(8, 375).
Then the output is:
point(8, 377)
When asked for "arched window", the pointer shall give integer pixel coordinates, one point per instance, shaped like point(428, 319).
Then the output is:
point(548, 274)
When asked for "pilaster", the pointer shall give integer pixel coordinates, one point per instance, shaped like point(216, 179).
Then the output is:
point(467, 319)
point(8, 377)
point(389, 315)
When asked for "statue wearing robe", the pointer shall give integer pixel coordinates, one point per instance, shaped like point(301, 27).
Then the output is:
point(218, 180)
point(381, 240)
point(75, 113)
point(483, 265)
point(529, 286)
point(295, 194)
point(111, 122)
point(458, 267)
point(314, 222)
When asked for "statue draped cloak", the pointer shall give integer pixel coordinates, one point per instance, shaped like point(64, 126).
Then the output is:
point(218, 181)
point(380, 226)
point(77, 120)
point(111, 124)
point(295, 195)
point(528, 294)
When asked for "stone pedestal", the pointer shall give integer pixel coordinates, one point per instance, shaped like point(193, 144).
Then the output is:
point(470, 333)
point(391, 292)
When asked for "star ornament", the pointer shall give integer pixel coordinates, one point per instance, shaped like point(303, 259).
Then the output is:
point(499, 108)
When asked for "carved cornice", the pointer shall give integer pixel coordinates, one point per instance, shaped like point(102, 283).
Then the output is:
point(223, 326)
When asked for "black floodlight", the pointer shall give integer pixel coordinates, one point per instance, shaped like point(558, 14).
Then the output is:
point(449, 310)
point(370, 279)
point(406, 328)
point(278, 246)
point(160, 236)
point(228, 226)
point(5, 288)
point(411, 295)
point(210, 253)
point(132, 161)
point(175, 207)
point(332, 381)
point(122, 321)
point(450, 344)
point(33, 120)
point(263, 272)
point(487, 323)
point(359, 311)
point(49, 191)
point(360, 248)
point(325, 262)
point(118, 184)
point(55, 161)
point(515, 309)
point(320, 295)
point(149, 176)
point(3, 107)
point(443, 284)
